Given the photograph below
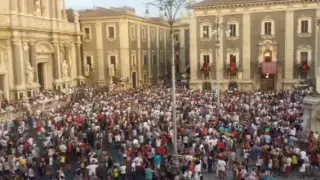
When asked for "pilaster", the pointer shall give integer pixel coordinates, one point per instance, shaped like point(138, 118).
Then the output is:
point(100, 55)
point(289, 45)
point(14, 6)
point(246, 46)
point(18, 64)
point(57, 60)
point(139, 57)
point(149, 53)
point(158, 51)
point(193, 49)
point(79, 61)
point(58, 10)
point(182, 62)
point(219, 53)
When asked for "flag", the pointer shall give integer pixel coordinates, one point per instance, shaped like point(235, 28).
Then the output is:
point(269, 68)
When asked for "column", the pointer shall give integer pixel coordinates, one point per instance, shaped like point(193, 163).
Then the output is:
point(246, 46)
point(22, 6)
point(64, 9)
point(33, 61)
point(139, 57)
point(182, 51)
point(14, 6)
point(57, 60)
point(100, 55)
point(18, 64)
point(124, 49)
point(289, 45)
point(46, 5)
point(58, 9)
point(193, 49)
point(165, 52)
point(317, 54)
point(79, 60)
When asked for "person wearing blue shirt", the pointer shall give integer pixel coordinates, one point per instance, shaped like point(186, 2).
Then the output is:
point(157, 161)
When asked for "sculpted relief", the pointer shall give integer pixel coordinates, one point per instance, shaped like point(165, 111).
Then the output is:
point(30, 73)
point(65, 70)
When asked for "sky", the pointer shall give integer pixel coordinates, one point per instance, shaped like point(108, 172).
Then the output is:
point(138, 5)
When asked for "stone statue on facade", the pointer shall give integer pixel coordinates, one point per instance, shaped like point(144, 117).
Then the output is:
point(76, 17)
point(37, 9)
point(65, 69)
point(30, 73)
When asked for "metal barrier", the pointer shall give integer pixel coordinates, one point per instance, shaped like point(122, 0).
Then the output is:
point(5, 116)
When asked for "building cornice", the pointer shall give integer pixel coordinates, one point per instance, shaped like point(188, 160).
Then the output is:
point(254, 4)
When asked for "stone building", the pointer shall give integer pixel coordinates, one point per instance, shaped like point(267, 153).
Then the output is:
point(119, 46)
point(261, 44)
point(39, 48)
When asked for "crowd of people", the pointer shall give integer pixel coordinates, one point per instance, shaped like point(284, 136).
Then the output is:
point(127, 134)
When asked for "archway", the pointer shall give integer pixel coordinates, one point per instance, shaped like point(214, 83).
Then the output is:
point(134, 80)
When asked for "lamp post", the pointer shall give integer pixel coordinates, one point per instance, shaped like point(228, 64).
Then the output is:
point(217, 27)
point(170, 8)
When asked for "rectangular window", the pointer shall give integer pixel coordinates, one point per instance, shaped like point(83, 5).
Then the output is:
point(133, 60)
point(232, 58)
point(143, 33)
point(154, 59)
point(176, 36)
point(87, 33)
point(304, 26)
point(88, 59)
point(113, 61)
point(233, 30)
point(145, 59)
point(267, 28)
point(205, 31)
point(161, 57)
point(161, 34)
point(111, 33)
point(133, 32)
point(153, 34)
point(303, 56)
point(206, 59)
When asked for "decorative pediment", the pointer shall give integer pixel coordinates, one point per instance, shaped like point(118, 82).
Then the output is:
point(205, 51)
point(232, 50)
point(112, 52)
point(268, 18)
point(44, 47)
point(304, 48)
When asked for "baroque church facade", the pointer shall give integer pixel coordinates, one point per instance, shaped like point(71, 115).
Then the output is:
point(39, 48)
point(254, 45)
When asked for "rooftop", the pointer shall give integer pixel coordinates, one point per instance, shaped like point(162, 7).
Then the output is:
point(242, 2)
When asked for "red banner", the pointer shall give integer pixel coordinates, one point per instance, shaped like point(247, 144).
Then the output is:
point(305, 67)
point(232, 68)
point(269, 68)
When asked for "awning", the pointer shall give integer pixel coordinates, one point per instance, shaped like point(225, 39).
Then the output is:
point(269, 68)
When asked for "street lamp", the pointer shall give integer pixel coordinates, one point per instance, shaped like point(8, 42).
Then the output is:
point(217, 28)
point(170, 9)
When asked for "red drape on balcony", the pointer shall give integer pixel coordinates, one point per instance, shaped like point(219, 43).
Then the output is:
point(232, 67)
point(269, 68)
point(305, 67)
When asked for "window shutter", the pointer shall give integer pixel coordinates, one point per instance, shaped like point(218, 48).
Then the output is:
point(272, 28)
point(237, 29)
point(262, 28)
point(309, 26)
point(299, 26)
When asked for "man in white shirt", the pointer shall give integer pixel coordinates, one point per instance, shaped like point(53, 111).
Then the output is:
point(221, 168)
point(92, 169)
point(123, 171)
